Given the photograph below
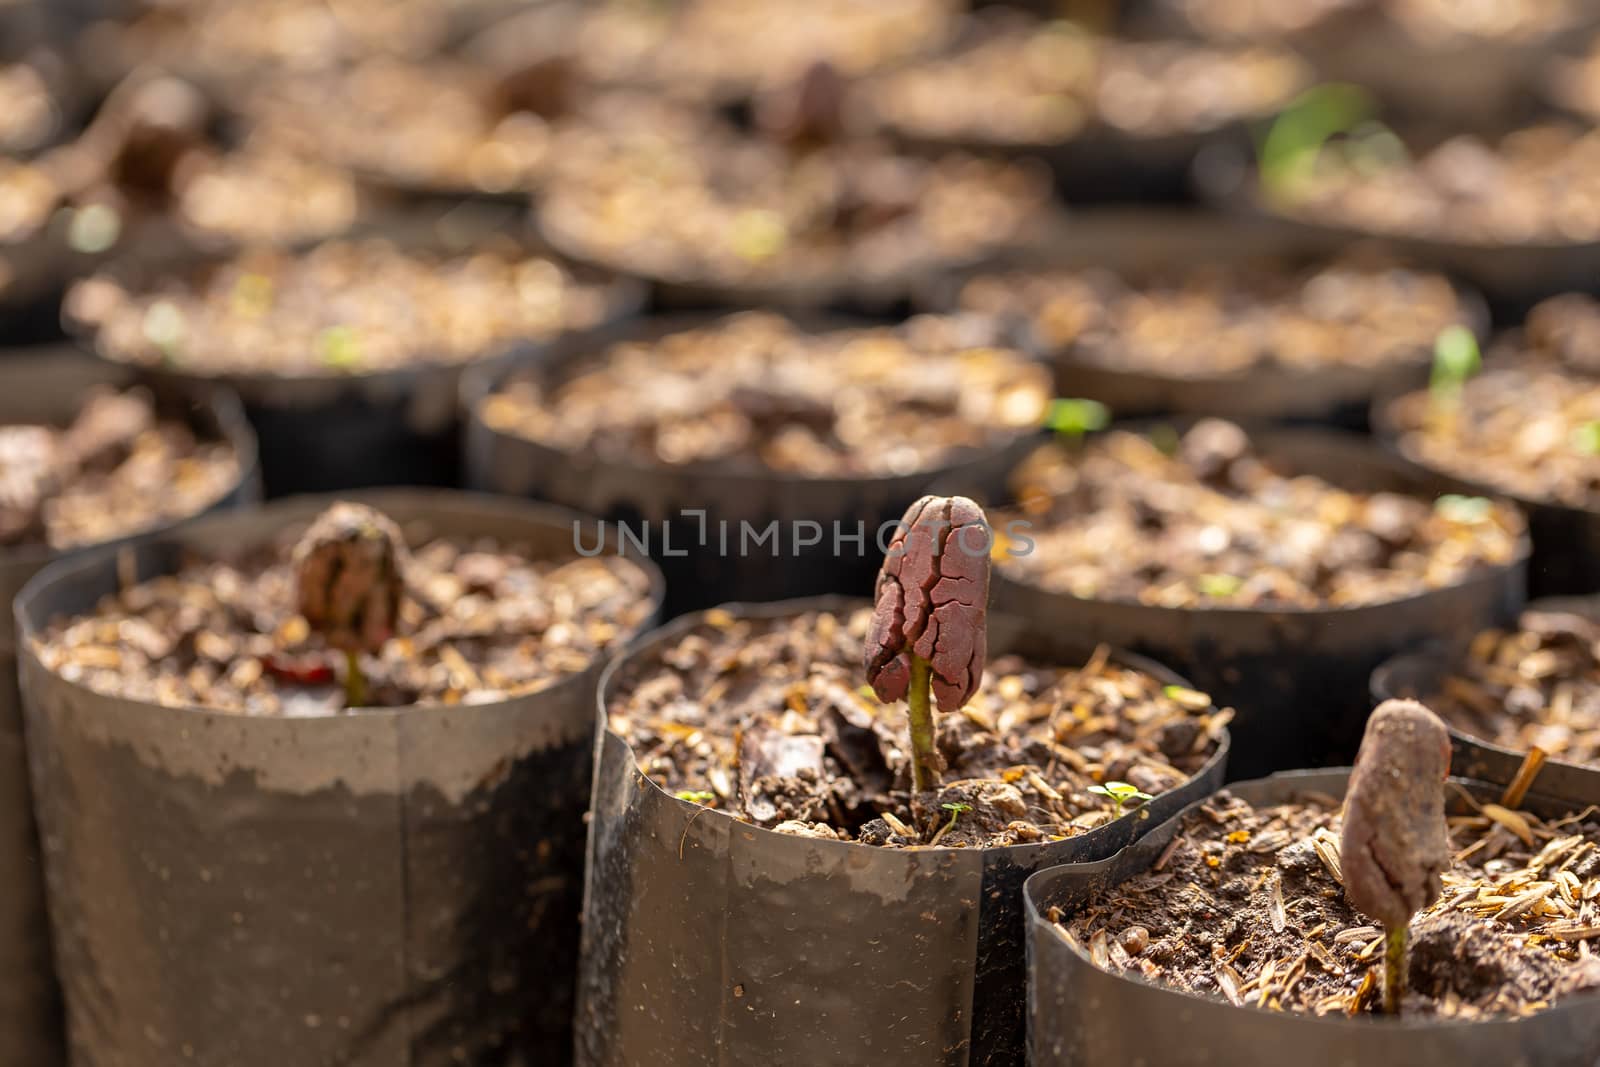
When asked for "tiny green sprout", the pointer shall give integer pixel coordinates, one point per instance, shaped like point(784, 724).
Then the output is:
point(696, 796)
point(955, 811)
point(1586, 438)
point(1289, 152)
point(1467, 510)
point(1455, 359)
point(1220, 586)
point(1072, 417)
point(1120, 793)
point(339, 347)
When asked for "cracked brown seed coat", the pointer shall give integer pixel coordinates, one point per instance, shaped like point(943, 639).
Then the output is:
point(932, 600)
point(1395, 844)
point(349, 570)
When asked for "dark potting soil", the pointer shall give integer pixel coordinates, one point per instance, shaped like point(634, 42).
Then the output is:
point(1535, 186)
point(724, 209)
point(755, 391)
point(117, 469)
point(1203, 520)
point(1537, 685)
point(1216, 320)
point(480, 622)
point(344, 307)
point(770, 721)
point(1022, 81)
point(1246, 905)
point(1530, 423)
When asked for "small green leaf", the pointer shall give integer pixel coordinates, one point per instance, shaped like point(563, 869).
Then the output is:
point(1455, 359)
point(339, 347)
point(1219, 586)
point(1074, 417)
point(1586, 438)
point(696, 796)
point(1290, 150)
point(957, 808)
point(1467, 510)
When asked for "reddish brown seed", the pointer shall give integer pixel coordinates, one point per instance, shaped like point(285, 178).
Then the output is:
point(932, 601)
point(1395, 844)
point(349, 568)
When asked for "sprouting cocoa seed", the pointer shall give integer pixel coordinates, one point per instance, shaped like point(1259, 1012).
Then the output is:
point(349, 569)
point(1395, 844)
point(932, 602)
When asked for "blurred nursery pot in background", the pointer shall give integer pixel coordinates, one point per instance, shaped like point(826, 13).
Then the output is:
point(1275, 567)
point(348, 355)
point(49, 387)
point(1506, 691)
point(1158, 312)
point(730, 442)
point(1524, 422)
point(240, 868)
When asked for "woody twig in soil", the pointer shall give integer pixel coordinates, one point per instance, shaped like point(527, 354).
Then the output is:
point(349, 570)
point(1396, 845)
point(928, 639)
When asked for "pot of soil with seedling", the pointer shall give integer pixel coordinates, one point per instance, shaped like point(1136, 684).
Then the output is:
point(755, 457)
point(1158, 314)
point(245, 866)
point(784, 866)
point(83, 461)
point(1263, 919)
point(1532, 688)
point(800, 217)
point(1514, 216)
point(1525, 424)
point(1117, 119)
point(1274, 567)
point(348, 354)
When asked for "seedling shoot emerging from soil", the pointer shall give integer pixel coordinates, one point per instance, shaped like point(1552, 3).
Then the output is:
point(1290, 153)
point(1072, 418)
point(349, 575)
point(1395, 845)
point(1120, 793)
point(1455, 360)
point(928, 639)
